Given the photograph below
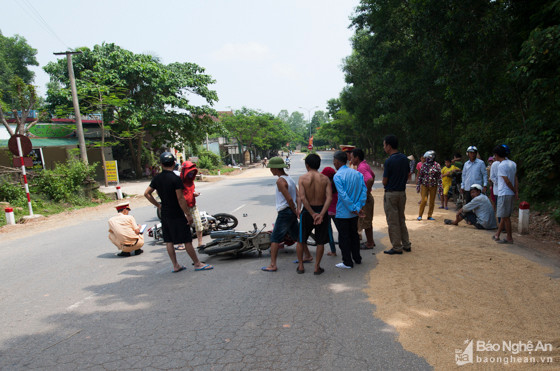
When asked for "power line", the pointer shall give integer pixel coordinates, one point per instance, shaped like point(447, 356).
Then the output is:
point(39, 19)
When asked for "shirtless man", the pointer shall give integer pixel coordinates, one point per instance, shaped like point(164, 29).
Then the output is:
point(315, 193)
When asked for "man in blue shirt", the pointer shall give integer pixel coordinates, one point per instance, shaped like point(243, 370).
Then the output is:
point(395, 176)
point(474, 172)
point(352, 196)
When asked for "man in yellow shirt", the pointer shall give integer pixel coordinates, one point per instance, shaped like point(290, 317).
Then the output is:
point(124, 232)
point(446, 179)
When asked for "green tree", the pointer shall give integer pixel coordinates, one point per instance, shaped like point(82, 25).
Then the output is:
point(157, 96)
point(443, 75)
point(258, 131)
point(16, 91)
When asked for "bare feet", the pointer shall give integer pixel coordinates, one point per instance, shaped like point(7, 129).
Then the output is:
point(331, 254)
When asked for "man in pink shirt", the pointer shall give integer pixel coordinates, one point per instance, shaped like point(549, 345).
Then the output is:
point(365, 223)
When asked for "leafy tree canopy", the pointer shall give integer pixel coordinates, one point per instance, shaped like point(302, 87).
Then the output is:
point(16, 91)
point(154, 99)
point(444, 75)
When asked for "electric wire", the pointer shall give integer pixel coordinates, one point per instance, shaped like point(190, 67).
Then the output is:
point(34, 13)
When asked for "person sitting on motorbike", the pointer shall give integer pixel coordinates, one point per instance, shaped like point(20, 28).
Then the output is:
point(124, 232)
point(188, 174)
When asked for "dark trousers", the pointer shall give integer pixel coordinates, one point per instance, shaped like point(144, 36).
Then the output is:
point(348, 240)
point(467, 197)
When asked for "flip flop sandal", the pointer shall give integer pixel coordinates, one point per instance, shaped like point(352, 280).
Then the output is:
point(266, 269)
point(207, 267)
point(180, 269)
point(504, 241)
point(320, 271)
point(495, 238)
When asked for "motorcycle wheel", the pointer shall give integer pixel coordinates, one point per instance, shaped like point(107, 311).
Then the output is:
point(212, 250)
point(225, 221)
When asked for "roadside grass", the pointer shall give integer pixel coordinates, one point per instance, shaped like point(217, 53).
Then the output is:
point(45, 207)
point(222, 169)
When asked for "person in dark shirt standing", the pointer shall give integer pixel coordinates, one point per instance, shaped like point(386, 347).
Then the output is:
point(173, 208)
point(395, 176)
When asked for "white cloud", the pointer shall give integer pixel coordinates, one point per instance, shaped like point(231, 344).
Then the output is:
point(251, 51)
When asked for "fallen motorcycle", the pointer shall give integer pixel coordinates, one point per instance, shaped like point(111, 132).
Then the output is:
point(210, 223)
point(237, 242)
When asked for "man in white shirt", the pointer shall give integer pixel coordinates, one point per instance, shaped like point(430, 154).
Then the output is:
point(479, 212)
point(507, 190)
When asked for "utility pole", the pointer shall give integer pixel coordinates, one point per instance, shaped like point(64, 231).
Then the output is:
point(79, 128)
point(309, 116)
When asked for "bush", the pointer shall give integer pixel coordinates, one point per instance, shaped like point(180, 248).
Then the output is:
point(208, 160)
point(12, 193)
point(66, 181)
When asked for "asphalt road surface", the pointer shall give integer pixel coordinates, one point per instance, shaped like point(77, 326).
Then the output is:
point(69, 303)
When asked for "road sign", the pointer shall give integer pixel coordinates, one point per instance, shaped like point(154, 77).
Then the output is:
point(310, 146)
point(27, 161)
point(26, 145)
point(111, 172)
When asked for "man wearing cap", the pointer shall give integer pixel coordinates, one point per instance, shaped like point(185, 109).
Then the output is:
point(351, 199)
point(175, 227)
point(479, 212)
point(474, 172)
point(346, 148)
point(287, 219)
point(124, 232)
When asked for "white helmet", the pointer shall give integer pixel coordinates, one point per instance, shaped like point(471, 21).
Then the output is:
point(472, 149)
point(430, 155)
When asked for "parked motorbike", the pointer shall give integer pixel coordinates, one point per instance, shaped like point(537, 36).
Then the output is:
point(237, 242)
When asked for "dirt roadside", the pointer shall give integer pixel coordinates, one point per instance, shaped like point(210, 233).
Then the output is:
point(457, 285)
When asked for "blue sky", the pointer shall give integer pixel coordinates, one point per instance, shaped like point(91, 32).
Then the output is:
point(267, 55)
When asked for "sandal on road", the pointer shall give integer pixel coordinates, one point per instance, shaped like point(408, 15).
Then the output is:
point(180, 269)
point(504, 241)
point(207, 267)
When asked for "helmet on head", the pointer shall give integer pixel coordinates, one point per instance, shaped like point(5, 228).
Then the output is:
point(472, 149)
point(167, 158)
point(476, 186)
point(276, 163)
point(430, 155)
point(506, 147)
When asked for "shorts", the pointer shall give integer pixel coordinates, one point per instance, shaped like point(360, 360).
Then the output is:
point(365, 223)
point(471, 218)
point(286, 223)
point(196, 218)
point(505, 206)
point(306, 226)
point(176, 230)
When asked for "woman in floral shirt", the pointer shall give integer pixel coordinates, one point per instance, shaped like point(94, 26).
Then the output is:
point(429, 182)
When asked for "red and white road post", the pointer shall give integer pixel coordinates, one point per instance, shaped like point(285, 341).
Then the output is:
point(24, 177)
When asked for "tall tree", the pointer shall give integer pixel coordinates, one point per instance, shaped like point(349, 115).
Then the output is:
point(16, 91)
point(258, 131)
point(157, 96)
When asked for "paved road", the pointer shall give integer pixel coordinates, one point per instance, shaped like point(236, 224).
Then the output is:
point(69, 303)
